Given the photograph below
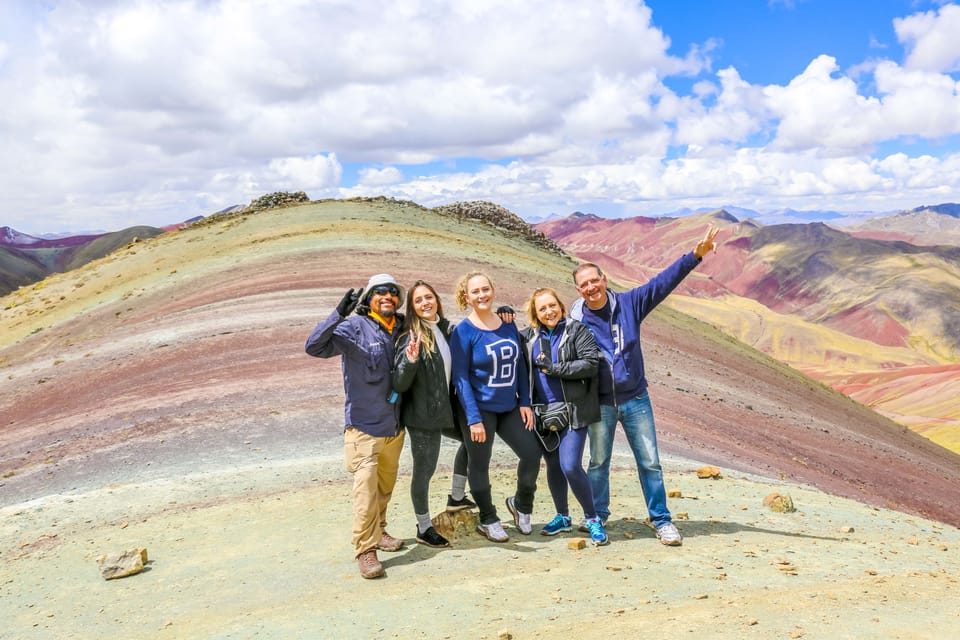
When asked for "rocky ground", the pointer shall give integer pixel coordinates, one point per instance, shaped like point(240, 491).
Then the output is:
point(261, 550)
point(161, 399)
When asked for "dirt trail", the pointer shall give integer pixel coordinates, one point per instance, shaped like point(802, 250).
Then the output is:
point(261, 551)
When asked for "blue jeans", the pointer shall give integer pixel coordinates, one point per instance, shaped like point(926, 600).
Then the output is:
point(636, 416)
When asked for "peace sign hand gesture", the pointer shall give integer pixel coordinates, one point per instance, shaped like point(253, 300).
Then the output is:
point(707, 244)
point(413, 347)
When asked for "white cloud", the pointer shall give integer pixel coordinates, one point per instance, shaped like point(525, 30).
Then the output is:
point(820, 110)
point(931, 38)
point(182, 107)
point(314, 173)
point(917, 102)
point(380, 177)
point(740, 111)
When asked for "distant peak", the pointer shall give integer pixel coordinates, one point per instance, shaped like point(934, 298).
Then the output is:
point(580, 215)
point(11, 237)
point(946, 209)
point(723, 214)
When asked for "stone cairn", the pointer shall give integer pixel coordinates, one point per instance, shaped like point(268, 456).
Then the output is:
point(275, 200)
point(500, 218)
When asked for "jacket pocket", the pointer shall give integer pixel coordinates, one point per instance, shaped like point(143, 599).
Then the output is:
point(374, 368)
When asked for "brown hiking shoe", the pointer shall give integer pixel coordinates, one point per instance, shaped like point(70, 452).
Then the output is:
point(370, 567)
point(389, 543)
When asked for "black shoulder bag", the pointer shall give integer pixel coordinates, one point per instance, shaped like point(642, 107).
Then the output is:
point(553, 418)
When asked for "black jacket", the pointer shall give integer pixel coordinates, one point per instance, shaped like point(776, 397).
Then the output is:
point(425, 394)
point(578, 360)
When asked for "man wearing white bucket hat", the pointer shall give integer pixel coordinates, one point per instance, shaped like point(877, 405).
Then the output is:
point(373, 438)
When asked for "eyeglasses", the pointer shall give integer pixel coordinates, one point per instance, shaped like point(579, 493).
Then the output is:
point(384, 289)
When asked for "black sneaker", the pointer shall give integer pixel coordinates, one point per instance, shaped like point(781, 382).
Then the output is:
point(459, 505)
point(431, 538)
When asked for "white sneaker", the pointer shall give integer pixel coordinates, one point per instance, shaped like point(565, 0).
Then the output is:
point(668, 535)
point(521, 520)
point(493, 532)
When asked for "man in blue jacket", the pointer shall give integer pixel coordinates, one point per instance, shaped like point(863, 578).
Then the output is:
point(372, 435)
point(614, 319)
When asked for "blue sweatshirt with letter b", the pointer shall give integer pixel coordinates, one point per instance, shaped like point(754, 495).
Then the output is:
point(489, 369)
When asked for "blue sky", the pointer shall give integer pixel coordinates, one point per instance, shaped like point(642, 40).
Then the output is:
point(128, 112)
point(769, 42)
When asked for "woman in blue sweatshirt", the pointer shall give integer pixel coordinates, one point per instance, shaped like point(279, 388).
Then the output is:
point(492, 384)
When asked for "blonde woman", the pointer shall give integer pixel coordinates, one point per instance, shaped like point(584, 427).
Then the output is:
point(563, 373)
point(492, 384)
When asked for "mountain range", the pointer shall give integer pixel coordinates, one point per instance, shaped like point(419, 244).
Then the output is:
point(185, 351)
point(869, 309)
point(867, 313)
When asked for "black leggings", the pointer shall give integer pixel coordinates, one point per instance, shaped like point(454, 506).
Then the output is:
point(509, 426)
point(425, 449)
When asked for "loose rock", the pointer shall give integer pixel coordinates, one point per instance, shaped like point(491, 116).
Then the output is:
point(122, 564)
point(779, 503)
point(457, 524)
point(709, 471)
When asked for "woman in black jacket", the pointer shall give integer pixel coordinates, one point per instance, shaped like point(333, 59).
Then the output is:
point(564, 361)
point(422, 375)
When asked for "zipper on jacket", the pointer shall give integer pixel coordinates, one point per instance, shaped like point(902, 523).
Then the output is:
point(613, 377)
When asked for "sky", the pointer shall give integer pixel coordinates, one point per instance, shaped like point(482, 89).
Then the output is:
point(128, 112)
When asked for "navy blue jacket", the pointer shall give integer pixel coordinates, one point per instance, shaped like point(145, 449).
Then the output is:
point(368, 352)
point(627, 311)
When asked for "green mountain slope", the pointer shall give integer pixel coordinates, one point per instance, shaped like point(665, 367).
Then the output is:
point(185, 351)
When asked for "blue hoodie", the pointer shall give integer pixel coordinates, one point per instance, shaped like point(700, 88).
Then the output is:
point(616, 328)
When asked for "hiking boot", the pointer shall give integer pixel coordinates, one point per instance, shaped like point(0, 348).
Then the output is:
point(585, 528)
point(559, 523)
point(597, 534)
point(370, 567)
point(521, 520)
point(431, 538)
point(667, 534)
point(459, 505)
point(493, 532)
point(389, 543)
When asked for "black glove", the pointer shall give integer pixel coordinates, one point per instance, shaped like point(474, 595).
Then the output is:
point(543, 363)
point(506, 310)
point(349, 302)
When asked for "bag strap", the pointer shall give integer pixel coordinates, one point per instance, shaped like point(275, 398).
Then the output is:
point(545, 348)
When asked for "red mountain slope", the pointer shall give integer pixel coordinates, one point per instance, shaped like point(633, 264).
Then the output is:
point(186, 352)
point(830, 304)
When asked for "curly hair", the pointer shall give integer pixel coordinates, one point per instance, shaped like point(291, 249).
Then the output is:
point(460, 292)
point(530, 306)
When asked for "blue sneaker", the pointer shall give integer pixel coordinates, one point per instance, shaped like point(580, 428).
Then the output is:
point(559, 523)
point(586, 529)
point(597, 535)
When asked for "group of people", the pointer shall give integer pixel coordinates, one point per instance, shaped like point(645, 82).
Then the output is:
point(565, 380)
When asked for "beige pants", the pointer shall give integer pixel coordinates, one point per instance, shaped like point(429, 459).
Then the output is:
point(373, 462)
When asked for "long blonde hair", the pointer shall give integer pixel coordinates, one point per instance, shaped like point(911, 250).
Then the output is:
point(460, 292)
point(413, 322)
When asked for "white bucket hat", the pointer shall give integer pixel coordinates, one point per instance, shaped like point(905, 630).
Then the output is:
point(380, 279)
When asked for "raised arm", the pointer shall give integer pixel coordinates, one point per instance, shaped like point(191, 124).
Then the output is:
point(328, 337)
